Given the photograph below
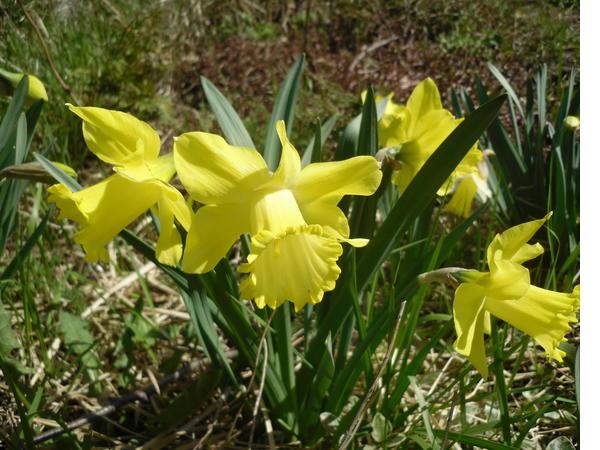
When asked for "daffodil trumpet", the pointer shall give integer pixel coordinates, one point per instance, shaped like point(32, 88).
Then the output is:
point(291, 214)
point(140, 182)
point(506, 292)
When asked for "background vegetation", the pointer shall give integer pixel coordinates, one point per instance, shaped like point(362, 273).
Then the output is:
point(85, 334)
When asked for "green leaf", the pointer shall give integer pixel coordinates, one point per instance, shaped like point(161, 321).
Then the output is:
point(284, 352)
point(58, 174)
point(196, 301)
point(9, 121)
point(229, 121)
point(8, 339)
point(507, 87)
point(78, 338)
point(24, 250)
point(381, 428)
point(314, 149)
point(466, 439)
point(283, 109)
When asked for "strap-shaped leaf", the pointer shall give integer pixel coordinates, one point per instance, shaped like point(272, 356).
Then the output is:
point(314, 148)
point(9, 121)
point(283, 109)
point(229, 121)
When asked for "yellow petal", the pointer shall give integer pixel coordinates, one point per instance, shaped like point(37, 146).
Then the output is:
point(214, 230)
point(289, 164)
point(462, 199)
point(168, 246)
point(214, 172)
point(102, 210)
point(163, 167)
point(330, 181)
point(542, 314)
point(116, 137)
point(298, 265)
point(470, 324)
point(423, 99)
point(508, 244)
point(391, 128)
point(506, 280)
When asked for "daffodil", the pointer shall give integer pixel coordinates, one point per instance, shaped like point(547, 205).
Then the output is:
point(140, 183)
point(415, 131)
point(468, 186)
point(291, 214)
point(36, 90)
point(507, 293)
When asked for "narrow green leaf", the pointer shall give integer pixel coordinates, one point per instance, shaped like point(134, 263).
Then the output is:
point(507, 87)
point(58, 174)
point(18, 259)
point(283, 109)
point(314, 149)
point(9, 121)
point(197, 305)
point(466, 439)
point(229, 121)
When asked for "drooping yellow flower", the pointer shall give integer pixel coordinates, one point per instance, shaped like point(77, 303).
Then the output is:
point(416, 131)
point(291, 214)
point(36, 90)
point(140, 183)
point(506, 292)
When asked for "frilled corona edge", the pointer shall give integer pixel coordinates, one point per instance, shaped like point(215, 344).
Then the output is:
point(299, 264)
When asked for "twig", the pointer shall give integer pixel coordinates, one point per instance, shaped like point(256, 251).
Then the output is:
point(38, 33)
point(263, 377)
point(371, 48)
point(140, 394)
point(371, 392)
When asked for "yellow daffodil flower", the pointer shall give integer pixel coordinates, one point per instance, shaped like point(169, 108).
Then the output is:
point(291, 214)
point(416, 131)
point(468, 186)
point(140, 183)
point(36, 90)
point(506, 292)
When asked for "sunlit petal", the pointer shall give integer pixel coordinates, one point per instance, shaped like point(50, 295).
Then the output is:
point(544, 315)
point(470, 324)
point(330, 181)
point(213, 231)
point(213, 171)
point(116, 137)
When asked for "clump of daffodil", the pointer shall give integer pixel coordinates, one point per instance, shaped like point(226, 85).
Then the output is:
point(36, 90)
point(140, 183)
point(507, 293)
point(414, 131)
point(291, 214)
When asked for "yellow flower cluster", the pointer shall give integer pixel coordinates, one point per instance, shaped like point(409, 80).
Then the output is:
point(296, 228)
point(416, 130)
point(291, 214)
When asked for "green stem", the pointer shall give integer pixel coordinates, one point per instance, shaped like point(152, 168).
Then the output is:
point(500, 385)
